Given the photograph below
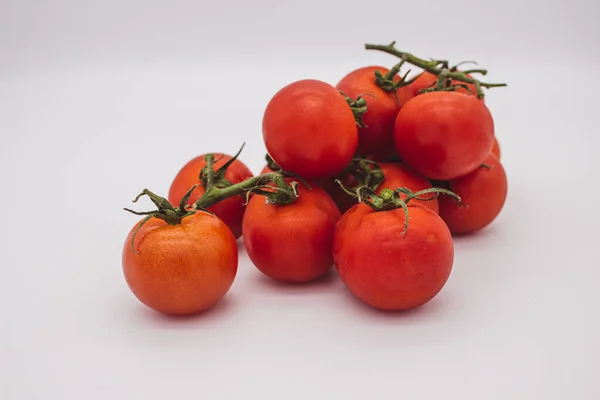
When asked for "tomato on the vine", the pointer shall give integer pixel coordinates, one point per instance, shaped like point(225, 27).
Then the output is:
point(293, 242)
point(231, 210)
point(309, 129)
point(483, 193)
point(387, 269)
point(376, 138)
point(180, 269)
point(444, 135)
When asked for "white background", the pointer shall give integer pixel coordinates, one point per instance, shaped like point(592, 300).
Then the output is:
point(101, 99)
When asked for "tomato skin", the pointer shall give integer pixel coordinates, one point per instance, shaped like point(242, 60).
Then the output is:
point(427, 80)
point(376, 139)
point(388, 270)
point(231, 210)
point(291, 243)
point(181, 269)
point(496, 149)
point(483, 192)
point(443, 135)
point(309, 129)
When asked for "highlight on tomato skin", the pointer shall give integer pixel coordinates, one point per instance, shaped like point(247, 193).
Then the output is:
point(180, 269)
point(444, 135)
point(231, 210)
point(309, 129)
point(376, 138)
point(389, 270)
point(483, 193)
point(291, 243)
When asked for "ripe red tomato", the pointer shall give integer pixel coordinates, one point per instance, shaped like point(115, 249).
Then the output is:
point(231, 210)
point(386, 269)
point(309, 129)
point(291, 243)
point(496, 149)
point(483, 193)
point(376, 139)
point(173, 270)
point(443, 135)
point(427, 80)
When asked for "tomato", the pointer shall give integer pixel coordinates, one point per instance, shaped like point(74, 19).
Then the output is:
point(483, 193)
point(386, 269)
point(397, 175)
point(309, 129)
point(496, 149)
point(181, 269)
point(443, 135)
point(291, 243)
point(376, 139)
point(427, 80)
point(231, 210)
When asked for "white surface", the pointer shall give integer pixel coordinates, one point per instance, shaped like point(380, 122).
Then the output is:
point(99, 100)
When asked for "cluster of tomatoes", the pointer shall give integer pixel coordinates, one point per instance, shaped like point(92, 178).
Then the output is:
point(372, 177)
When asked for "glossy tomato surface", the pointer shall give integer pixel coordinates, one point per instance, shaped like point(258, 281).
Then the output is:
point(483, 193)
point(292, 243)
point(444, 135)
point(376, 139)
point(231, 210)
point(386, 269)
point(309, 129)
point(496, 149)
point(181, 269)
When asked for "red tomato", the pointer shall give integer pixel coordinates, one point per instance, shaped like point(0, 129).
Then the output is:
point(376, 139)
point(443, 135)
point(398, 175)
point(427, 80)
point(483, 193)
point(231, 210)
point(309, 129)
point(291, 243)
point(386, 269)
point(174, 271)
point(496, 149)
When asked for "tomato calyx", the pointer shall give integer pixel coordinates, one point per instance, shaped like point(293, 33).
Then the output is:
point(209, 177)
point(436, 67)
point(390, 199)
point(164, 210)
point(358, 107)
point(388, 84)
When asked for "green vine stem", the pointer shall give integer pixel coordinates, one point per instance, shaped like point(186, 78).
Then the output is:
point(434, 67)
point(390, 199)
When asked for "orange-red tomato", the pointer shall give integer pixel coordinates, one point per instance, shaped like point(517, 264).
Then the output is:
point(496, 149)
point(483, 193)
point(386, 269)
point(309, 129)
point(427, 80)
point(444, 135)
point(231, 210)
point(376, 139)
point(181, 269)
point(291, 243)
